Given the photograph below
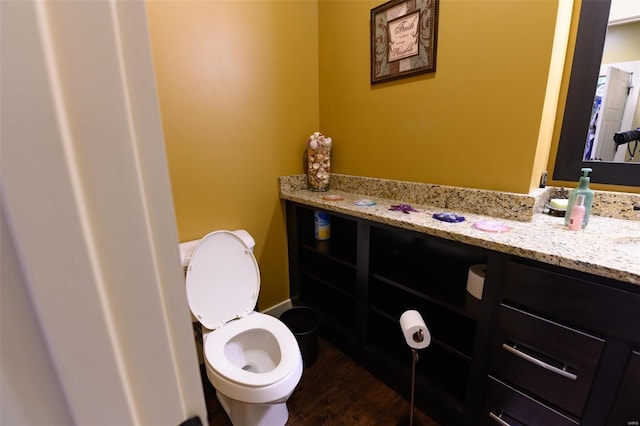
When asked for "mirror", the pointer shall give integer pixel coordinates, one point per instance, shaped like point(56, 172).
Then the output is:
point(592, 29)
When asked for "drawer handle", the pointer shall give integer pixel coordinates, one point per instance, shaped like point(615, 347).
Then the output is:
point(539, 363)
point(498, 419)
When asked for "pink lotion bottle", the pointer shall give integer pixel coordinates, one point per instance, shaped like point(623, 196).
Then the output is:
point(577, 214)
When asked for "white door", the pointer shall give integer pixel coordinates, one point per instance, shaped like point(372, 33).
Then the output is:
point(631, 115)
point(87, 203)
point(614, 98)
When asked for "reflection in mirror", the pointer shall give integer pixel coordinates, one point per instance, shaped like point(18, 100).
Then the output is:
point(615, 115)
point(574, 151)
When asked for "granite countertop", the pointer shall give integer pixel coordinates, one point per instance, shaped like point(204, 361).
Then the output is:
point(608, 247)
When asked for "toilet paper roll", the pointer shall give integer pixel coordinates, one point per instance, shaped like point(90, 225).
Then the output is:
point(475, 280)
point(415, 330)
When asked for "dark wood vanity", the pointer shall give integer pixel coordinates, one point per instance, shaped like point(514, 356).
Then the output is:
point(546, 345)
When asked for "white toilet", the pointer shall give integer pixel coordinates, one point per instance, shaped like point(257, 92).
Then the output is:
point(252, 359)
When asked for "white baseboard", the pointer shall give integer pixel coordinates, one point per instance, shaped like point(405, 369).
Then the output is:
point(277, 310)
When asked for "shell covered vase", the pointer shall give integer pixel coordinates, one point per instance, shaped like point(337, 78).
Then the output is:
point(318, 161)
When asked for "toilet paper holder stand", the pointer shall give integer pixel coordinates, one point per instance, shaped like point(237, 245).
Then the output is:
point(414, 361)
point(417, 337)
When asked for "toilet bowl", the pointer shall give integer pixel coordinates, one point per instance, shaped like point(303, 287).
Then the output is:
point(252, 359)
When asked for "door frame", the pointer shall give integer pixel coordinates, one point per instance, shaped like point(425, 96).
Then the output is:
point(86, 194)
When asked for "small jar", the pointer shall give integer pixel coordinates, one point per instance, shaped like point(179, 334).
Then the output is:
point(318, 162)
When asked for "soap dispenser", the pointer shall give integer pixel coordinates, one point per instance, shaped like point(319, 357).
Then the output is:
point(582, 189)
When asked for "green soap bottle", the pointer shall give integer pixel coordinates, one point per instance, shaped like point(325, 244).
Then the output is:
point(582, 189)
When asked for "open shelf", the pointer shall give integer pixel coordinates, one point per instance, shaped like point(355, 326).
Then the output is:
point(461, 303)
point(340, 247)
point(336, 275)
point(337, 307)
point(341, 290)
point(431, 268)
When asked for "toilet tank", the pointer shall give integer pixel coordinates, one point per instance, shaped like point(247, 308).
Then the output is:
point(186, 248)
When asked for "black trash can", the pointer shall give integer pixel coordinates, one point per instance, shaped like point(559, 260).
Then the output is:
point(304, 323)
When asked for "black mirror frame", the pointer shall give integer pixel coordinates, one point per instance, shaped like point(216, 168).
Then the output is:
point(592, 29)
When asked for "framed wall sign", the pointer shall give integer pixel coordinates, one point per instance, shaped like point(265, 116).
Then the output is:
point(403, 39)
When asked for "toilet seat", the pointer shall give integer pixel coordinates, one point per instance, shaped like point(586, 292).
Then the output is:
point(223, 279)
point(214, 349)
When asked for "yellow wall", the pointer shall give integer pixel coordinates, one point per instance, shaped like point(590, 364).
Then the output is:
point(472, 123)
point(238, 89)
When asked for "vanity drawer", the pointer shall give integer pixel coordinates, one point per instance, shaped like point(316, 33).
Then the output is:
point(505, 405)
point(571, 298)
point(550, 360)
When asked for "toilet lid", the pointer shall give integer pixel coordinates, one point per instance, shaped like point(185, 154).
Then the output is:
point(223, 279)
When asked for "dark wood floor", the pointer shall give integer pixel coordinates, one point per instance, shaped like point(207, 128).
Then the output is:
point(335, 391)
